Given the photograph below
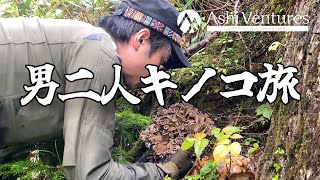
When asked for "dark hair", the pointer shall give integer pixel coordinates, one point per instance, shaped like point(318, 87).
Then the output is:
point(121, 29)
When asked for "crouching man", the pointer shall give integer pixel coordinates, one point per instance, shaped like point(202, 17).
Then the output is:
point(140, 32)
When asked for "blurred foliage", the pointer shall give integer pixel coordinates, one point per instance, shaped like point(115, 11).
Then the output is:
point(123, 104)
point(224, 55)
point(83, 10)
point(129, 155)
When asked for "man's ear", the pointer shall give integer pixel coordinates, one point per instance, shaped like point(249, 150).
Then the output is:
point(141, 38)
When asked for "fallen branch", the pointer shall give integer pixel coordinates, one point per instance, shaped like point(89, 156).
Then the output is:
point(200, 45)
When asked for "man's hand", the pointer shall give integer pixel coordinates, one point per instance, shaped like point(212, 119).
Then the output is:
point(180, 164)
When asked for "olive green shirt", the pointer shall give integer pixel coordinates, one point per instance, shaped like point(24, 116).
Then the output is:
point(87, 126)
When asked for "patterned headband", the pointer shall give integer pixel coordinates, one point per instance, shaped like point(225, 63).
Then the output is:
point(138, 16)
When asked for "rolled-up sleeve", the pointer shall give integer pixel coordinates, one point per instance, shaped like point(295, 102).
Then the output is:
point(88, 125)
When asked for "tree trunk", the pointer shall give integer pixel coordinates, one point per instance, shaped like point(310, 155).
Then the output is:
point(295, 127)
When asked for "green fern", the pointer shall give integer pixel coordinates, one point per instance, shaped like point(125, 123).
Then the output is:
point(26, 170)
point(127, 144)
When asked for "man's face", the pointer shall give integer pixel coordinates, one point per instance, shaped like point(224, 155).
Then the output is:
point(135, 56)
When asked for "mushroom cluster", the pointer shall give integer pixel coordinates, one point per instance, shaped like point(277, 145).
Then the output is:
point(170, 126)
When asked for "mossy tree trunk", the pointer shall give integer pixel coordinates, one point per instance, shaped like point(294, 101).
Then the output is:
point(295, 127)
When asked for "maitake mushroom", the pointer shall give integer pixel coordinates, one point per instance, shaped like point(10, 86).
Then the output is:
point(170, 126)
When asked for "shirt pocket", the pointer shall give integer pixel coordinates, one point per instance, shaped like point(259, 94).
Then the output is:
point(7, 125)
point(34, 122)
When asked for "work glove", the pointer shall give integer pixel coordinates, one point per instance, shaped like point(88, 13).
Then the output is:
point(179, 164)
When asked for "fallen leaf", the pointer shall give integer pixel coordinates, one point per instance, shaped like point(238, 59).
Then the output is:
point(223, 171)
point(200, 136)
point(235, 168)
point(204, 160)
point(242, 176)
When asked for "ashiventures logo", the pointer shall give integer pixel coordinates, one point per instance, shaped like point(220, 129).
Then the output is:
point(189, 21)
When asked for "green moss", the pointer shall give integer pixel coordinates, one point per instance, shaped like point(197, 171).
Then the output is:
point(128, 127)
point(277, 126)
point(128, 147)
point(223, 55)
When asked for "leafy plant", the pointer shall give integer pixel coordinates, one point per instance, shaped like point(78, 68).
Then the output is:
point(206, 172)
point(255, 147)
point(254, 143)
point(167, 178)
point(265, 111)
point(274, 46)
point(250, 140)
point(224, 146)
point(277, 167)
point(279, 151)
point(123, 104)
point(198, 142)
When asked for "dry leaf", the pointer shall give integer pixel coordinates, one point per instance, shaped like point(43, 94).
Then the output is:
point(235, 168)
point(238, 168)
point(200, 136)
point(223, 171)
point(204, 160)
point(243, 176)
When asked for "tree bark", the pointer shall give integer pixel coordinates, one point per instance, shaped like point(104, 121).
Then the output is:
point(295, 127)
